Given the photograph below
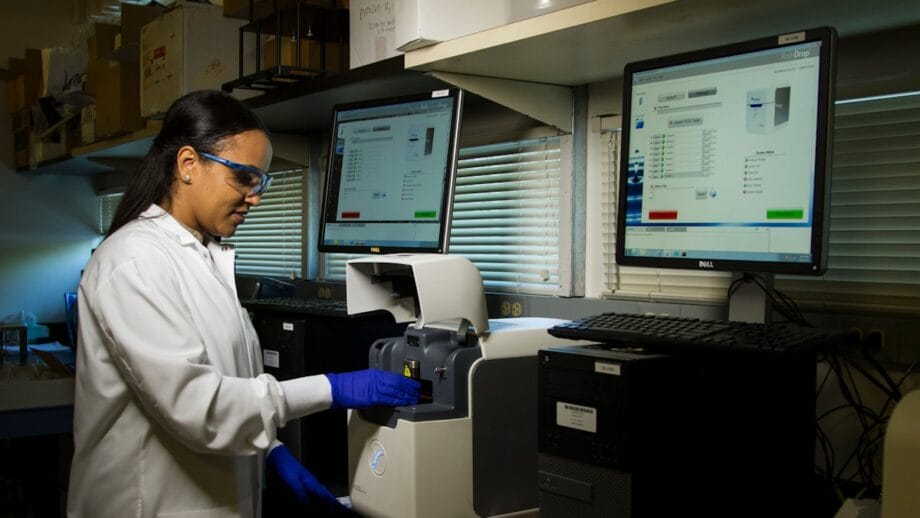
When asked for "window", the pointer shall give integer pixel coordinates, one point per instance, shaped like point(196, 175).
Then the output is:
point(874, 239)
point(270, 242)
point(107, 205)
point(505, 216)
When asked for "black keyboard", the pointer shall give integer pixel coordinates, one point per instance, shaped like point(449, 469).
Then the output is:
point(672, 334)
point(299, 306)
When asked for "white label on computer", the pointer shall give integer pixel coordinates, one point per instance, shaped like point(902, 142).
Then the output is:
point(271, 358)
point(794, 37)
point(287, 326)
point(607, 368)
point(576, 416)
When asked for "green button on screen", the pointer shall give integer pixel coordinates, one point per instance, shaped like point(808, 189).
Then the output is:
point(428, 214)
point(785, 213)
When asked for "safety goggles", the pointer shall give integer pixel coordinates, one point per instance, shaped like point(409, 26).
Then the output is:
point(246, 175)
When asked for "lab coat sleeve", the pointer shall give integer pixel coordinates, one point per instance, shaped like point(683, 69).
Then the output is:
point(307, 395)
point(153, 340)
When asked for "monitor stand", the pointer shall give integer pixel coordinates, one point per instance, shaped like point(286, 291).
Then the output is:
point(749, 303)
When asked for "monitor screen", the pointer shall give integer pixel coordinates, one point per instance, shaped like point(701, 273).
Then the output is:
point(726, 157)
point(390, 181)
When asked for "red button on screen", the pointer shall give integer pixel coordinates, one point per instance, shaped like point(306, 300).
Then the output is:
point(662, 214)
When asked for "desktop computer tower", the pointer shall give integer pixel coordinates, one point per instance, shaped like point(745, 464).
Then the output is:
point(628, 433)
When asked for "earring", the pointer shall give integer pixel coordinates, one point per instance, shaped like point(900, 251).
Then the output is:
point(187, 179)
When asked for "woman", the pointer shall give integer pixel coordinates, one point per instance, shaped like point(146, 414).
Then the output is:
point(172, 413)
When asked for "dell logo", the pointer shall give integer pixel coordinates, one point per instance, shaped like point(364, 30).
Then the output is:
point(706, 264)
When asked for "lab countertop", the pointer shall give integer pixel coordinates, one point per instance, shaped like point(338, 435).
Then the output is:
point(33, 385)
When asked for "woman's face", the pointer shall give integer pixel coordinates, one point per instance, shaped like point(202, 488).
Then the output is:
point(218, 198)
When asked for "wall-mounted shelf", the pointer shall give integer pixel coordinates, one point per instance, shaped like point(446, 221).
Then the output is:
point(102, 156)
point(592, 42)
point(121, 155)
point(306, 106)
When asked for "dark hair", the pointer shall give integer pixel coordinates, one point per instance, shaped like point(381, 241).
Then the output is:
point(202, 120)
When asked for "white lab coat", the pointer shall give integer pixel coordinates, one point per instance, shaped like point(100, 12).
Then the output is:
point(172, 412)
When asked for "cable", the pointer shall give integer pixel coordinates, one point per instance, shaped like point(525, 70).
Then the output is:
point(890, 390)
point(782, 303)
point(907, 374)
point(864, 479)
point(861, 409)
point(827, 375)
point(865, 471)
point(829, 454)
point(895, 391)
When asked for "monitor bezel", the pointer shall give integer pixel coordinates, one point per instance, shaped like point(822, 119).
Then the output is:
point(450, 176)
point(827, 37)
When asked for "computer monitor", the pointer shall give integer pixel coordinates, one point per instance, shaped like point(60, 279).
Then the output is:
point(726, 157)
point(390, 180)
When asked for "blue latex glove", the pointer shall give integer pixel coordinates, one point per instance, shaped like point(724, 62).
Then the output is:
point(360, 389)
point(308, 491)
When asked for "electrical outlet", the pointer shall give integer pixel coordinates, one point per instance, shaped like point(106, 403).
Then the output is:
point(511, 309)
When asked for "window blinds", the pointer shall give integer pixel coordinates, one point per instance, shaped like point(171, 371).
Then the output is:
point(107, 205)
point(270, 242)
point(874, 254)
point(874, 239)
point(505, 215)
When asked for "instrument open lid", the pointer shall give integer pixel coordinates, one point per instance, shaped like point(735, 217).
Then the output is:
point(420, 288)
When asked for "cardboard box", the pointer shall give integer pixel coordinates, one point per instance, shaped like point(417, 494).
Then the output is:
point(17, 94)
point(55, 145)
point(311, 54)
point(419, 23)
point(63, 71)
point(21, 119)
point(21, 144)
point(239, 9)
point(94, 70)
point(134, 18)
point(191, 47)
point(45, 151)
point(30, 68)
point(101, 44)
point(118, 100)
point(372, 31)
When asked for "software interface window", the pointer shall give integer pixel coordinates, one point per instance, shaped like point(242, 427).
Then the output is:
point(375, 145)
point(720, 152)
